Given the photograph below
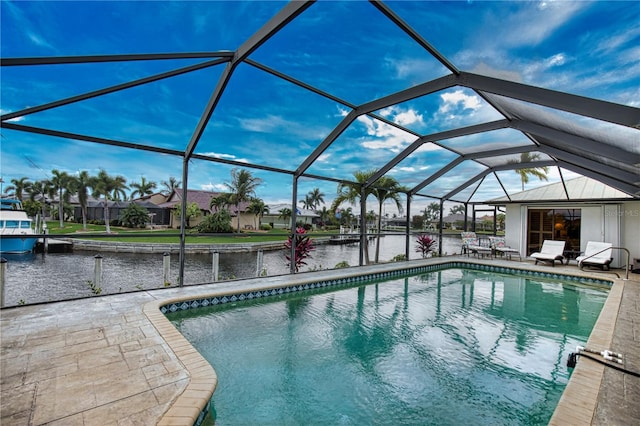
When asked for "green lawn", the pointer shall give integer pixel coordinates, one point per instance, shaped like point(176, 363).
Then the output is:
point(122, 234)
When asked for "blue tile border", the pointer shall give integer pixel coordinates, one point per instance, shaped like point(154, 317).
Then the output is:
point(348, 281)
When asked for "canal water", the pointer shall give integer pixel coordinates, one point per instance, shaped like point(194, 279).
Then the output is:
point(38, 278)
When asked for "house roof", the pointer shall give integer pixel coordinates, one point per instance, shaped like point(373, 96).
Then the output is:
point(202, 198)
point(274, 210)
point(578, 189)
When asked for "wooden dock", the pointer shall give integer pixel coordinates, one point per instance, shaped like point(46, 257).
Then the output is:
point(53, 245)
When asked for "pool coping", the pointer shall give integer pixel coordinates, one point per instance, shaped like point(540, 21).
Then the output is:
point(579, 399)
point(191, 406)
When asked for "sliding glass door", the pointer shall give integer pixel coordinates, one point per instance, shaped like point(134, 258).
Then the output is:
point(553, 224)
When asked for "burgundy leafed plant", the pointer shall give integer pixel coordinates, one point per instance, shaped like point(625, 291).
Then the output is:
point(425, 245)
point(303, 248)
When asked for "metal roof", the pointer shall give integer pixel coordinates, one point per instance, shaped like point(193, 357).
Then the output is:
point(577, 189)
point(594, 138)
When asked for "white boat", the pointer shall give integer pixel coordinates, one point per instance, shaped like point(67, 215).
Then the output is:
point(15, 222)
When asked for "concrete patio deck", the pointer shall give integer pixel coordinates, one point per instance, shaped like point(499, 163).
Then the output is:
point(115, 360)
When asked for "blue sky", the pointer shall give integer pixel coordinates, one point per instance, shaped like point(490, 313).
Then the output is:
point(348, 49)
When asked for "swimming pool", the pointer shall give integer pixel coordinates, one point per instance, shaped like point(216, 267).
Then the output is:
point(442, 347)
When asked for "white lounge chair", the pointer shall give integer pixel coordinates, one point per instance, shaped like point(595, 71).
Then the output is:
point(551, 251)
point(596, 254)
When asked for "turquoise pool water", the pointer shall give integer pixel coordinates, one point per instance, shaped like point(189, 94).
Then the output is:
point(449, 347)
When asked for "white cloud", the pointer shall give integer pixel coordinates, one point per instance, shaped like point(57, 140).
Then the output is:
point(217, 187)
point(323, 158)
point(406, 169)
point(531, 26)
point(458, 98)
point(342, 112)
point(267, 124)
point(555, 60)
point(410, 68)
point(13, 120)
point(387, 137)
point(225, 156)
point(38, 40)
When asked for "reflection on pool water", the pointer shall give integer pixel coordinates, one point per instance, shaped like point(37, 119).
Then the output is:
point(455, 346)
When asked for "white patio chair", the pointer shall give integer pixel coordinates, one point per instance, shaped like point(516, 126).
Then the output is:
point(596, 254)
point(550, 252)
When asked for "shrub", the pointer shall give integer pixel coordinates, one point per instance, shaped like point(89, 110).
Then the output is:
point(399, 258)
point(134, 216)
point(216, 223)
point(426, 245)
point(303, 248)
point(343, 264)
point(266, 227)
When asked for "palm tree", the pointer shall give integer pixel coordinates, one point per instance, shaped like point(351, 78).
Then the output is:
point(315, 198)
point(82, 184)
point(258, 208)
point(104, 186)
point(42, 188)
point(432, 212)
point(285, 215)
point(61, 182)
point(350, 192)
point(458, 209)
point(386, 188)
point(242, 187)
point(169, 186)
point(18, 187)
point(539, 172)
point(222, 201)
point(306, 202)
point(119, 189)
point(325, 214)
point(143, 188)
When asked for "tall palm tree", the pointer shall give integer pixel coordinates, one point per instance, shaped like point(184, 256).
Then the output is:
point(104, 186)
point(258, 208)
point(169, 186)
point(18, 187)
point(119, 189)
point(306, 202)
point(285, 215)
point(61, 182)
point(41, 188)
point(386, 188)
point(325, 214)
point(144, 187)
point(457, 209)
point(315, 197)
point(432, 212)
point(83, 183)
point(539, 172)
point(350, 192)
point(242, 187)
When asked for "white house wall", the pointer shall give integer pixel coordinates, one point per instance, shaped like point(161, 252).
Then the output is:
point(591, 226)
point(515, 227)
point(630, 229)
point(618, 224)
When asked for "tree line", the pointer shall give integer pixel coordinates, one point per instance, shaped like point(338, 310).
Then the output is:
point(62, 185)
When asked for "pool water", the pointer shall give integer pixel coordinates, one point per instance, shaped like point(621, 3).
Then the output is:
point(443, 348)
